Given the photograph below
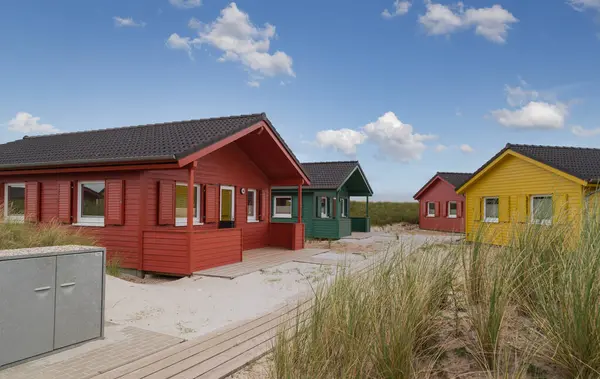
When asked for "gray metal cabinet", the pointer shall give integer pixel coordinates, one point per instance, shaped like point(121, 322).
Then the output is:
point(26, 308)
point(78, 298)
point(50, 298)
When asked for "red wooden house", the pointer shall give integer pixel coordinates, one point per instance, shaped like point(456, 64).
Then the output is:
point(172, 198)
point(440, 207)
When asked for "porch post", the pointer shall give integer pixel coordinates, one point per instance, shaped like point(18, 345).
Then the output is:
point(190, 211)
point(300, 202)
point(367, 215)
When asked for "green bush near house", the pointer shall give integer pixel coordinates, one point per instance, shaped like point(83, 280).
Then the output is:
point(15, 235)
point(386, 213)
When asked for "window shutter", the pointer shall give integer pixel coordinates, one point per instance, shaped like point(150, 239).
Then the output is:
point(32, 201)
point(477, 209)
point(444, 209)
point(114, 207)
point(503, 209)
point(263, 213)
point(522, 208)
point(423, 208)
point(1, 200)
point(166, 202)
point(64, 202)
point(211, 203)
point(437, 209)
point(459, 207)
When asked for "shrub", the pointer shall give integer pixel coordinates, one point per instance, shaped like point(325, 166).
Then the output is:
point(15, 235)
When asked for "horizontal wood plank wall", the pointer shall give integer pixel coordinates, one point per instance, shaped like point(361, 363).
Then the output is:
point(441, 192)
point(282, 235)
point(214, 248)
point(511, 180)
point(226, 166)
point(298, 237)
point(166, 251)
point(120, 240)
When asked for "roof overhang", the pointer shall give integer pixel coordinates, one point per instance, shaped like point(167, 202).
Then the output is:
point(364, 178)
point(507, 152)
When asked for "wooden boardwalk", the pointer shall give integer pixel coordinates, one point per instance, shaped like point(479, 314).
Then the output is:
point(259, 259)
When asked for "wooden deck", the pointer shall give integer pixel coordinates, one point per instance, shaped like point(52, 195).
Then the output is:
point(259, 259)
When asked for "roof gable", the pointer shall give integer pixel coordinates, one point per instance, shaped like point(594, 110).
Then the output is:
point(575, 164)
point(451, 178)
point(333, 175)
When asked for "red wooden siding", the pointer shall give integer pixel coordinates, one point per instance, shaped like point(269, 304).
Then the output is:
point(214, 248)
point(63, 191)
point(282, 235)
point(166, 251)
point(115, 209)
point(441, 192)
point(32, 201)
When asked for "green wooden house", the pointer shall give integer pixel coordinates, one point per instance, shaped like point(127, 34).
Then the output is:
point(326, 202)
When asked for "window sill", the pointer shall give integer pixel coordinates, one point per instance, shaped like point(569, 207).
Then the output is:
point(252, 221)
point(542, 222)
point(452, 217)
point(184, 223)
point(15, 219)
point(430, 216)
point(89, 224)
point(282, 216)
point(491, 220)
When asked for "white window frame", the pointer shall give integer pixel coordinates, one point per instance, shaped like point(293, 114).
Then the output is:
point(232, 188)
point(282, 215)
point(12, 218)
point(448, 209)
point(182, 221)
point(88, 220)
point(254, 194)
point(539, 222)
point(327, 207)
point(343, 202)
point(490, 219)
point(429, 214)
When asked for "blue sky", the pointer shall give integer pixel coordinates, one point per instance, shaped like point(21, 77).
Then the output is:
point(408, 88)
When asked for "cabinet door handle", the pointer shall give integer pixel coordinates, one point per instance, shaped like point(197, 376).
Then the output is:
point(71, 284)
point(40, 289)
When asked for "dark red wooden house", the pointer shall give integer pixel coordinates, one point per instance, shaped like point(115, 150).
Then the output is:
point(440, 207)
point(172, 198)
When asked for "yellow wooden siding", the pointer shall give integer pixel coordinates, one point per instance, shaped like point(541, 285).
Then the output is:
point(514, 180)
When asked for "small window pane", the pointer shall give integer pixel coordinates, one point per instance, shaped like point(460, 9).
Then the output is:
point(542, 209)
point(491, 208)
point(181, 201)
point(283, 205)
point(251, 204)
point(324, 207)
point(92, 202)
point(16, 200)
point(431, 209)
point(452, 208)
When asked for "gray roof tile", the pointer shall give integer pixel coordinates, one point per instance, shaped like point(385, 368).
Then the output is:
point(328, 175)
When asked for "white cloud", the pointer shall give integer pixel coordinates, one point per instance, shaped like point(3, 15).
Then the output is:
point(534, 115)
point(466, 148)
point(24, 122)
point(491, 23)
point(186, 4)
point(344, 140)
point(518, 96)
point(127, 22)
point(400, 8)
point(253, 83)
point(581, 5)
point(176, 42)
point(240, 40)
point(194, 23)
point(439, 148)
point(395, 139)
point(582, 132)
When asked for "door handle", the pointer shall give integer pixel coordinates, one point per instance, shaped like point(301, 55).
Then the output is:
point(70, 284)
point(40, 289)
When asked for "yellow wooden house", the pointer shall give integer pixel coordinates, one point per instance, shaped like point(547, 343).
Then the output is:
point(529, 184)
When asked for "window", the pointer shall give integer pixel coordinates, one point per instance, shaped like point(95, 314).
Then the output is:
point(490, 209)
point(251, 205)
point(90, 207)
point(227, 203)
point(430, 209)
point(452, 209)
point(323, 207)
point(282, 206)
point(14, 200)
point(181, 203)
point(541, 209)
point(344, 204)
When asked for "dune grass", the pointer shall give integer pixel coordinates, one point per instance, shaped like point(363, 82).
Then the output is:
point(530, 309)
point(386, 213)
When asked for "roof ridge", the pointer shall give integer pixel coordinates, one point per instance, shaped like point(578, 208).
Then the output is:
point(320, 162)
point(454, 172)
point(148, 125)
point(509, 145)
